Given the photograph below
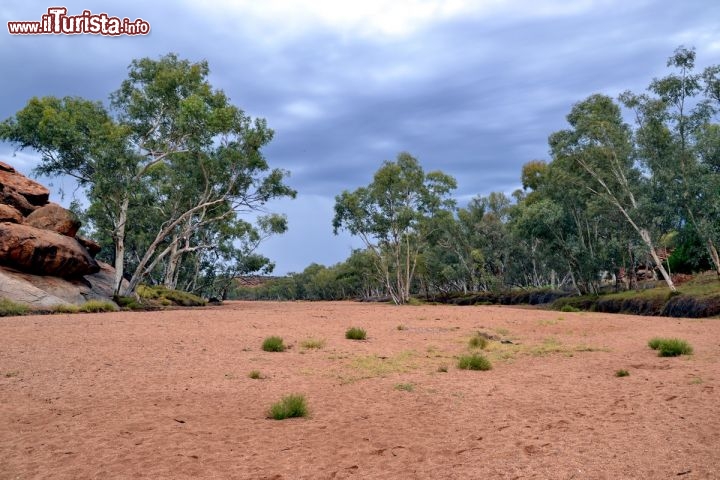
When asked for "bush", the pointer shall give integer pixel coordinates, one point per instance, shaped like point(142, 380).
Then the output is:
point(474, 362)
point(255, 375)
point(8, 308)
point(355, 333)
point(128, 303)
point(169, 297)
point(478, 341)
point(406, 387)
point(670, 347)
point(290, 406)
point(273, 344)
point(66, 308)
point(622, 373)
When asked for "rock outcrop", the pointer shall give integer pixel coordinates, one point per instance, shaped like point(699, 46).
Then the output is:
point(42, 262)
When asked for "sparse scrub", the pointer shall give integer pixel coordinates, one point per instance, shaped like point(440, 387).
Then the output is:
point(8, 308)
point(290, 406)
point(442, 369)
point(474, 362)
point(97, 306)
point(355, 333)
point(622, 373)
point(313, 344)
point(670, 347)
point(569, 309)
point(169, 297)
point(66, 308)
point(401, 327)
point(255, 375)
point(273, 344)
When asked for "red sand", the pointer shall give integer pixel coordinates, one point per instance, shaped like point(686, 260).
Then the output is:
point(167, 395)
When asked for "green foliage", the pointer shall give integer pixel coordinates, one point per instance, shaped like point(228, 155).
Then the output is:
point(8, 308)
point(290, 406)
point(273, 344)
point(622, 373)
point(170, 297)
point(355, 333)
point(66, 308)
point(255, 375)
point(128, 303)
point(474, 362)
point(670, 347)
point(569, 308)
point(405, 387)
point(96, 306)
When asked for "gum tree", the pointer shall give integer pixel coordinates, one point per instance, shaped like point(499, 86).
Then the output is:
point(392, 216)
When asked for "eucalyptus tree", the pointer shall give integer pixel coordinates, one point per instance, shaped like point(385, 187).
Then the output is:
point(391, 216)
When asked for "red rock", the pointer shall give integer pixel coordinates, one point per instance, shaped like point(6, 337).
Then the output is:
point(33, 192)
point(8, 196)
point(55, 218)
point(6, 167)
point(43, 252)
point(10, 214)
point(90, 245)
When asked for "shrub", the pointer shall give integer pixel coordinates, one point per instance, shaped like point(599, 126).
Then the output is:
point(127, 303)
point(289, 406)
point(8, 308)
point(255, 375)
point(401, 327)
point(670, 347)
point(66, 308)
point(313, 343)
point(622, 373)
point(478, 341)
point(273, 344)
point(169, 297)
point(355, 333)
point(442, 369)
point(474, 362)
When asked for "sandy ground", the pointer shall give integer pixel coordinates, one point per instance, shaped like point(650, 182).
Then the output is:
point(167, 395)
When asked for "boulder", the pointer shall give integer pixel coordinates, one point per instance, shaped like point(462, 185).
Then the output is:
point(8, 196)
point(10, 214)
point(91, 246)
point(43, 252)
point(32, 191)
point(55, 218)
point(45, 292)
point(8, 168)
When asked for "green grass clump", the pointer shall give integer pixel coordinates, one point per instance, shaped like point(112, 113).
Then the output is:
point(290, 406)
point(96, 306)
point(313, 344)
point(478, 341)
point(255, 375)
point(168, 297)
point(273, 344)
point(355, 333)
point(622, 373)
point(670, 347)
point(66, 308)
point(569, 308)
point(8, 308)
point(474, 362)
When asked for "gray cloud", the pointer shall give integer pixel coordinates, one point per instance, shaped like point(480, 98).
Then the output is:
point(475, 96)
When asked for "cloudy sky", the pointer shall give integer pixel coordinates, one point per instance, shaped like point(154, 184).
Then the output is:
point(472, 88)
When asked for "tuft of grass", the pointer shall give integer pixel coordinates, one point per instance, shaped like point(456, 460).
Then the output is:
point(11, 374)
point(406, 387)
point(97, 306)
point(8, 308)
point(255, 375)
point(313, 343)
point(290, 406)
point(273, 344)
point(128, 303)
point(355, 333)
point(474, 362)
point(670, 347)
point(478, 341)
point(442, 369)
point(66, 308)
point(622, 373)
point(569, 309)
point(401, 327)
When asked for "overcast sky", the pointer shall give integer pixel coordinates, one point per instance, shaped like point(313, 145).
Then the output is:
point(472, 88)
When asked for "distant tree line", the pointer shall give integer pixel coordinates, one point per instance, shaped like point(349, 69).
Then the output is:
point(613, 197)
